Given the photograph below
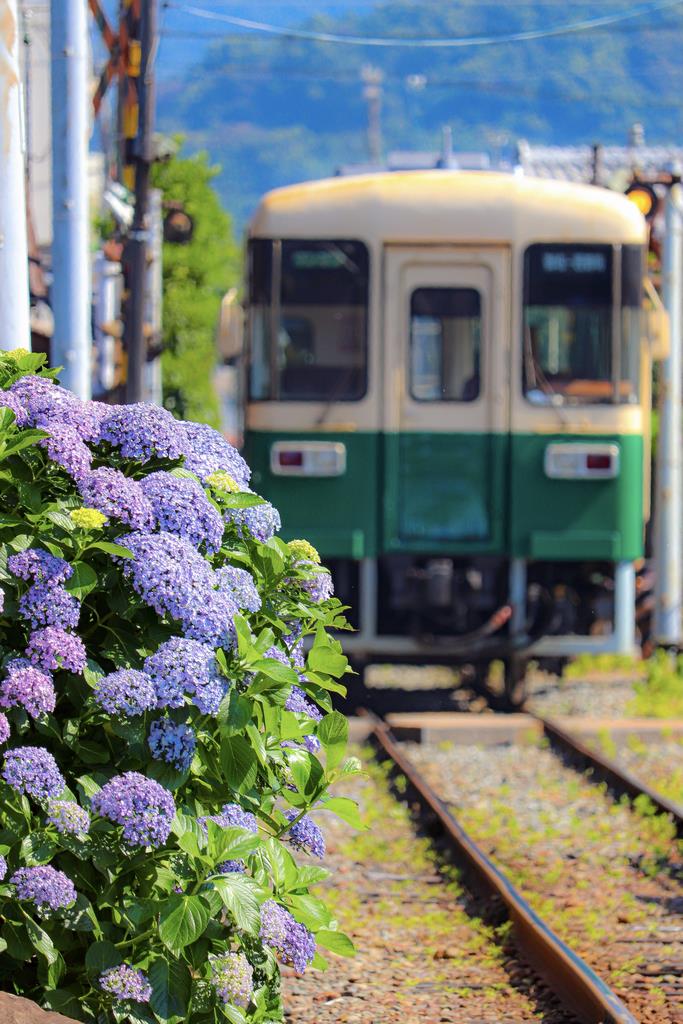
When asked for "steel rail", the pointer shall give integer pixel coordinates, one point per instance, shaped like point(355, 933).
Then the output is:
point(579, 987)
point(603, 769)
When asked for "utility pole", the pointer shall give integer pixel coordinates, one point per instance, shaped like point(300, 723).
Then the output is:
point(669, 496)
point(136, 251)
point(15, 330)
point(71, 273)
point(372, 78)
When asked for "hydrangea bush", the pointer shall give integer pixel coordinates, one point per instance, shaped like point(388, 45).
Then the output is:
point(167, 739)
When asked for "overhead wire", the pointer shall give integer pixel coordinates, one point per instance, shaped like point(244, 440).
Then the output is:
point(459, 42)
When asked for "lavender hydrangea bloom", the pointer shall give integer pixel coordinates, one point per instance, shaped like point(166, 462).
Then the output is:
point(66, 448)
point(319, 587)
point(11, 401)
point(126, 693)
point(206, 451)
point(126, 984)
point(68, 818)
point(45, 402)
point(4, 728)
point(232, 978)
point(142, 432)
point(117, 496)
point(232, 867)
point(172, 742)
point(261, 521)
point(53, 648)
point(182, 667)
point(174, 579)
point(239, 585)
point(233, 816)
point(33, 771)
point(300, 704)
point(38, 565)
point(48, 888)
point(27, 687)
point(143, 807)
point(3, 867)
point(49, 604)
point(291, 941)
point(181, 507)
point(306, 835)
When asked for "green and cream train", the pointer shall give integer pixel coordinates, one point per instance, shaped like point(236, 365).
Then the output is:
point(448, 393)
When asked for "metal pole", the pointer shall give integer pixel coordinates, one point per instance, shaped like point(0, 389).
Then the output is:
point(624, 608)
point(137, 247)
point(669, 496)
point(71, 271)
point(15, 329)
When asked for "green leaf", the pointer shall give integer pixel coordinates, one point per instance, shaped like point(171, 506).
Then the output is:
point(61, 1000)
point(307, 875)
point(81, 917)
point(41, 941)
point(37, 848)
point(60, 519)
point(18, 945)
point(325, 659)
point(245, 642)
point(333, 733)
point(234, 714)
point(240, 897)
point(171, 985)
point(100, 956)
point(336, 942)
point(276, 671)
point(319, 961)
point(347, 810)
point(111, 549)
point(182, 921)
point(230, 843)
point(83, 580)
point(311, 911)
point(239, 763)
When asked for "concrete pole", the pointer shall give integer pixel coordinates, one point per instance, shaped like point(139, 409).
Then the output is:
point(15, 330)
point(71, 271)
point(668, 548)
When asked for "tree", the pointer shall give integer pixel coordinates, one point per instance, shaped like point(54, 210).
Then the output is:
point(195, 276)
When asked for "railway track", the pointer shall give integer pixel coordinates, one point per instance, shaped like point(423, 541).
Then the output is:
point(596, 879)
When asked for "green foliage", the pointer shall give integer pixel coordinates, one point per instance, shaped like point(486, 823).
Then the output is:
point(195, 277)
point(595, 664)
point(660, 694)
point(164, 910)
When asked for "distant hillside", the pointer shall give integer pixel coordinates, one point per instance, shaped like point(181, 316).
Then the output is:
point(272, 111)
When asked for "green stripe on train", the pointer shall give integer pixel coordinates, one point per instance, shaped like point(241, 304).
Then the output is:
point(459, 494)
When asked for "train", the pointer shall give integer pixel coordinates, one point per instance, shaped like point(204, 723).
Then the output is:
point(447, 390)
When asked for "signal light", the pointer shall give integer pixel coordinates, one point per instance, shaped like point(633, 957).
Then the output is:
point(644, 197)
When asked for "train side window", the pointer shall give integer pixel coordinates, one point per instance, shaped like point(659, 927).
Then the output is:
point(445, 344)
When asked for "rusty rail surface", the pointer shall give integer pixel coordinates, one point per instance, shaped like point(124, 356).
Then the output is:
point(579, 988)
point(603, 769)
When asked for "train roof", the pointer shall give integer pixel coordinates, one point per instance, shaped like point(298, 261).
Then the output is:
point(448, 206)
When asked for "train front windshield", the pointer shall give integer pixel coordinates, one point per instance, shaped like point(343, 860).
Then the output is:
point(582, 329)
point(308, 320)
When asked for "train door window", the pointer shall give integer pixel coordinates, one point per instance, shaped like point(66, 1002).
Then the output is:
point(579, 342)
point(445, 344)
point(308, 317)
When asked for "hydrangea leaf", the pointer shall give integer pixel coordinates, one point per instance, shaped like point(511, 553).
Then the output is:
point(240, 895)
point(345, 809)
point(333, 733)
point(83, 580)
point(239, 762)
point(182, 921)
point(171, 984)
point(336, 942)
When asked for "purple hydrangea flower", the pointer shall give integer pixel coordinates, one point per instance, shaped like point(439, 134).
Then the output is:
point(49, 604)
point(291, 941)
point(127, 693)
point(172, 742)
point(143, 807)
point(182, 667)
point(142, 432)
point(181, 507)
point(299, 703)
point(319, 587)
point(44, 402)
point(232, 978)
point(53, 648)
point(3, 867)
point(306, 835)
point(233, 816)
point(126, 984)
point(239, 585)
point(39, 566)
point(4, 728)
point(67, 817)
point(33, 771)
point(117, 496)
point(174, 579)
point(8, 400)
point(48, 888)
point(206, 451)
point(27, 687)
point(231, 867)
point(66, 448)
point(261, 521)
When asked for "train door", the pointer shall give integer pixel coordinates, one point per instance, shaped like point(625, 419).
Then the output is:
point(446, 398)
